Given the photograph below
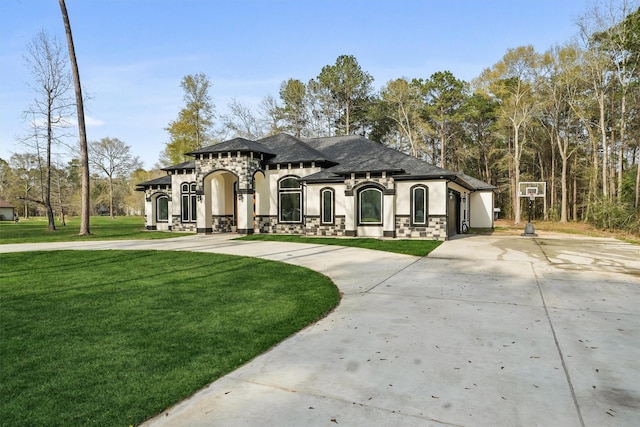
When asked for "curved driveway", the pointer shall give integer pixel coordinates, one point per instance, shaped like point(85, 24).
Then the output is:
point(485, 331)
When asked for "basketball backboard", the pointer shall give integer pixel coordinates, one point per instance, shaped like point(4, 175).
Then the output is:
point(532, 189)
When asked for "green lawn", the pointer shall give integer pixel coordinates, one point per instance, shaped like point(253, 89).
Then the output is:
point(408, 247)
point(101, 227)
point(110, 338)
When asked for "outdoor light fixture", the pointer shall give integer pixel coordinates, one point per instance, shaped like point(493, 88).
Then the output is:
point(450, 195)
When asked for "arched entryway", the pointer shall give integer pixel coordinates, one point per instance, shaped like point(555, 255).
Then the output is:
point(219, 204)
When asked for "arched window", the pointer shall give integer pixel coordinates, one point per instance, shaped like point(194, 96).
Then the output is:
point(419, 205)
point(370, 206)
point(188, 196)
point(290, 200)
point(162, 209)
point(326, 205)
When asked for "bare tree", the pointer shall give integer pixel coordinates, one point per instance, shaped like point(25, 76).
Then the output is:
point(82, 130)
point(112, 158)
point(241, 122)
point(270, 115)
point(52, 104)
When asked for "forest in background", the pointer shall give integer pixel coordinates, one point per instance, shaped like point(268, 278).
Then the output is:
point(567, 116)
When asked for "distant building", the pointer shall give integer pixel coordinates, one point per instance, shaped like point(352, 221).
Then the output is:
point(7, 211)
point(336, 186)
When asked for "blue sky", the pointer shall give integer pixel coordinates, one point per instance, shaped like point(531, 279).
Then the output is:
point(132, 54)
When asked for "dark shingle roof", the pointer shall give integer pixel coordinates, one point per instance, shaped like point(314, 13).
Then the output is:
point(475, 183)
point(290, 149)
point(358, 154)
point(341, 155)
point(234, 145)
point(190, 164)
point(163, 180)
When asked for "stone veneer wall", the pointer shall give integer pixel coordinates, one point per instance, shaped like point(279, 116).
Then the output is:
point(178, 225)
point(436, 229)
point(221, 223)
point(242, 166)
point(269, 224)
point(387, 182)
point(314, 228)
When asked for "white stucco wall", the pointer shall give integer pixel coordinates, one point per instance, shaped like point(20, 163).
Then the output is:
point(482, 209)
point(437, 197)
point(267, 188)
point(312, 195)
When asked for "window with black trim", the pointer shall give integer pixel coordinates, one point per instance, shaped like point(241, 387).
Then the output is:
point(189, 202)
point(162, 209)
point(370, 206)
point(327, 206)
point(290, 200)
point(419, 204)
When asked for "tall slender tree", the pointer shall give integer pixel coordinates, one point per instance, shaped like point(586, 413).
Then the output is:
point(293, 94)
point(82, 132)
point(192, 129)
point(49, 110)
point(351, 87)
point(511, 80)
point(403, 105)
point(444, 96)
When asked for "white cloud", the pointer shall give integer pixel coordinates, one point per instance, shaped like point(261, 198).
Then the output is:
point(93, 122)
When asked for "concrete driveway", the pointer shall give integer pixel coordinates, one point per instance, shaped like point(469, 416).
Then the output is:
point(486, 331)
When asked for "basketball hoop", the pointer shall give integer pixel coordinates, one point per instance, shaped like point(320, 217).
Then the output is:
point(532, 190)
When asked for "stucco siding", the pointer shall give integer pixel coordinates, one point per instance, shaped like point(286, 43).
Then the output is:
point(482, 209)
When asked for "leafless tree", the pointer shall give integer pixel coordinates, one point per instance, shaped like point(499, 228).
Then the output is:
point(112, 158)
point(52, 104)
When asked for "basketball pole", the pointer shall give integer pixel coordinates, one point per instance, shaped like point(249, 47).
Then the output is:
point(529, 229)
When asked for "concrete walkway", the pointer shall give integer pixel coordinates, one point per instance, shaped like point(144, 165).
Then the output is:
point(486, 331)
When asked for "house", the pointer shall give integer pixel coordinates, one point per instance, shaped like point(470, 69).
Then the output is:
point(7, 211)
point(335, 186)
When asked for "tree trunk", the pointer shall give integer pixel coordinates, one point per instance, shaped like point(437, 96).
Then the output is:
point(516, 170)
point(442, 143)
point(575, 192)
point(82, 131)
point(47, 195)
point(603, 136)
point(111, 198)
point(637, 182)
point(563, 185)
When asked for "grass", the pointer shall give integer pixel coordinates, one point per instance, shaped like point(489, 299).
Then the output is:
point(110, 338)
point(34, 230)
point(407, 247)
